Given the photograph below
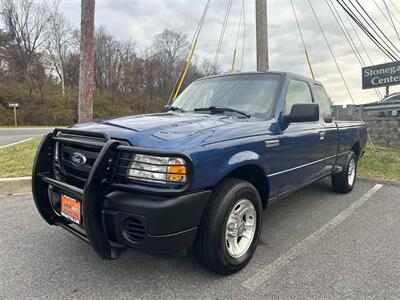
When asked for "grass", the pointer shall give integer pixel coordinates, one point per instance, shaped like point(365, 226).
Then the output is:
point(17, 160)
point(383, 162)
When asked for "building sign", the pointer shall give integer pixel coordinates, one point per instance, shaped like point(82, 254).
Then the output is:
point(336, 106)
point(381, 75)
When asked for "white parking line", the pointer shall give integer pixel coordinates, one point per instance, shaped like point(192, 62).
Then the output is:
point(264, 274)
point(16, 143)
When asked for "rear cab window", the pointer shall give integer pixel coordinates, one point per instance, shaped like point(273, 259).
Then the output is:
point(322, 99)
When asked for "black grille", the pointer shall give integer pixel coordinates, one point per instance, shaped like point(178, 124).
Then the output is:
point(134, 229)
point(87, 146)
point(79, 171)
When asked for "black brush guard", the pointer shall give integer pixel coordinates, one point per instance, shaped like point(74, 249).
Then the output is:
point(90, 196)
point(100, 182)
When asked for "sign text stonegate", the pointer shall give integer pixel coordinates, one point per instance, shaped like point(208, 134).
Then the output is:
point(381, 75)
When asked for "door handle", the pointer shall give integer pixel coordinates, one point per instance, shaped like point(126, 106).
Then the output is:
point(322, 135)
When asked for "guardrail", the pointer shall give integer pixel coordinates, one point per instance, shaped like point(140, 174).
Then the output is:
point(379, 107)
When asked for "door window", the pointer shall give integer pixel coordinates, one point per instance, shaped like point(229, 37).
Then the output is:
point(323, 100)
point(298, 93)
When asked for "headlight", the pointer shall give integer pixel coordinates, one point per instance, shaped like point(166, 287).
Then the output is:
point(158, 169)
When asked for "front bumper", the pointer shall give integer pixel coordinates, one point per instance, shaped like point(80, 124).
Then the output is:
point(111, 217)
point(151, 223)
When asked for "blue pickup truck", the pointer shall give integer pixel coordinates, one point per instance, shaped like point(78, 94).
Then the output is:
point(198, 174)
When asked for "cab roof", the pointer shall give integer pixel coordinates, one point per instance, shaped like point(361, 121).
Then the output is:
point(290, 75)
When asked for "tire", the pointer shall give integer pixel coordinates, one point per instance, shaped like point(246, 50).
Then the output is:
point(344, 181)
point(214, 246)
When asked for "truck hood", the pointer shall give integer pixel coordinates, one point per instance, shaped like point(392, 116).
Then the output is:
point(169, 123)
point(169, 129)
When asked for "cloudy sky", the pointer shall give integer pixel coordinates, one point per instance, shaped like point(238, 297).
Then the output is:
point(140, 20)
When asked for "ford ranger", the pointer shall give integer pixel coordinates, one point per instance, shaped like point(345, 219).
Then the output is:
point(198, 174)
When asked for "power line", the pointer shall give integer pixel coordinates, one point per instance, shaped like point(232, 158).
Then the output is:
point(302, 40)
point(362, 46)
point(237, 37)
point(348, 37)
point(221, 36)
point(331, 51)
point(395, 6)
point(391, 19)
point(358, 38)
point(379, 29)
point(383, 14)
point(356, 20)
point(349, 14)
point(240, 24)
point(189, 55)
point(244, 36)
point(345, 32)
point(385, 48)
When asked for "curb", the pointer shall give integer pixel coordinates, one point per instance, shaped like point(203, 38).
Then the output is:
point(378, 180)
point(13, 186)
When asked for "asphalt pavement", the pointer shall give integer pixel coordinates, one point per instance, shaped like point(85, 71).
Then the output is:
point(13, 135)
point(315, 244)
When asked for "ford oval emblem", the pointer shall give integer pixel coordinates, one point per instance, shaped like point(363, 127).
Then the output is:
point(78, 159)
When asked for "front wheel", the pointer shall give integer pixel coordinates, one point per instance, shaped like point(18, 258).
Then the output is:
point(230, 228)
point(344, 181)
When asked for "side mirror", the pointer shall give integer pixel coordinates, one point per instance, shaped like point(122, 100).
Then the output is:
point(302, 113)
point(328, 118)
point(166, 108)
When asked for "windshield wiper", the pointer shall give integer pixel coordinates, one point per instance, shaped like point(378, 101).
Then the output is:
point(215, 109)
point(175, 108)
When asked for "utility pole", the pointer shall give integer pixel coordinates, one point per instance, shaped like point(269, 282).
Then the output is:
point(86, 66)
point(262, 35)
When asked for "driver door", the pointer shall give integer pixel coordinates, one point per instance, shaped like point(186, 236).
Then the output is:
point(300, 144)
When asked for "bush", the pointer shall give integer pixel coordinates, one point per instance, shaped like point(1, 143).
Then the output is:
point(50, 107)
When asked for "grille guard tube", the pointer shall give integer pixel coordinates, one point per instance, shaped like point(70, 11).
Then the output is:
point(43, 163)
point(91, 206)
point(93, 191)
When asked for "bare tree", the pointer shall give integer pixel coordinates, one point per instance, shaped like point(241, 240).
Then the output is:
point(61, 38)
point(26, 22)
point(108, 66)
point(170, 49)
point(40, 50)
point(132, 80)
point(171, 46)
point(207, 68)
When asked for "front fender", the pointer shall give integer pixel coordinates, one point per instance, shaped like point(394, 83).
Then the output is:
point(211, 169)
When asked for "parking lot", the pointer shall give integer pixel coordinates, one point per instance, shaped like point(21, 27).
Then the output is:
point(314, 244)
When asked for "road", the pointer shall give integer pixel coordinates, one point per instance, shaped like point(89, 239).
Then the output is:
point(314, 244)
point(13, 135)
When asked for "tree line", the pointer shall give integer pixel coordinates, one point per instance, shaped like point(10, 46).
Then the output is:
point(39, 67)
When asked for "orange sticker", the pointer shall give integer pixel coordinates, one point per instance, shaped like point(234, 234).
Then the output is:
point(71, 209)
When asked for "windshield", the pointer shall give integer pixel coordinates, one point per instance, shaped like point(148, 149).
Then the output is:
point(251, 93)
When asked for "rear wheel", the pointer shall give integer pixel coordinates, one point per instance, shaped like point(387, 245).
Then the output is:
point(230, 229)
point(344, 181)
